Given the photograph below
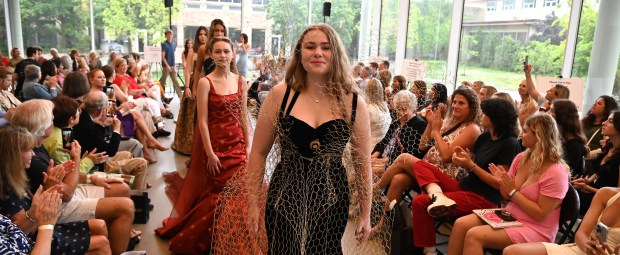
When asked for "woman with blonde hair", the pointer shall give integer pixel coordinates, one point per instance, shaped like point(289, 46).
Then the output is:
point(314, 113)
point(18, 203)
point(535, 186)
point(378, 111)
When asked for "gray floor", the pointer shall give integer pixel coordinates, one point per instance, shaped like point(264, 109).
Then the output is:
point(167, 161)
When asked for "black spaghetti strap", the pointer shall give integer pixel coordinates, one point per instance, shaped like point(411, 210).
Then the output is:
point(290, 106)
point(284, 100)
point(353, 108)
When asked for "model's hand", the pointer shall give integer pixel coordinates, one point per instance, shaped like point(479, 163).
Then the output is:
point(253, 218)
point(213, 164)
point(188, 93)
point(362, 232)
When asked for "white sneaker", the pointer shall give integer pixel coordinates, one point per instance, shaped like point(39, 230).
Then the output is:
point(440, 205)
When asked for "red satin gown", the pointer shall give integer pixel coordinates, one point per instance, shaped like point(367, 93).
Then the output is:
point(191, 223)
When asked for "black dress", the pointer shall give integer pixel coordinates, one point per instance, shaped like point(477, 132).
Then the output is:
point(308, 197)
point(68, 238)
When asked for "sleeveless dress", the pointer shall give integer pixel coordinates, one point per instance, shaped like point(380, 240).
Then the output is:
point(186, 120)
point(308, 197)
point(242, 63)
point(613, 237)
point(190, 225)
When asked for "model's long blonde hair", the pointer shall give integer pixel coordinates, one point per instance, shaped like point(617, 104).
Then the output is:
point(548, 147)
point(339, 78)
point(12, 173)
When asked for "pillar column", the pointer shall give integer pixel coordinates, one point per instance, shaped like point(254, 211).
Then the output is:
point(605, 52)
point(15, 25)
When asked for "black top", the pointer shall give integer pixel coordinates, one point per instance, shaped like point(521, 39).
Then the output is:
point(19, 70)
point(38, 166)
point(573, 155)
point(486, 151)
point(407, 140)
point(92, 135)
point(607, 173)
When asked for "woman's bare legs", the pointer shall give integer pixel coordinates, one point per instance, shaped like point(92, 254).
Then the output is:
point(145, 149)
point(526, 248)
point(402, 164)
point(99, 243)
point(148, 137)
point(478, 235)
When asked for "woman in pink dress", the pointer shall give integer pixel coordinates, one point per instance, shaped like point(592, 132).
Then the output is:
point(535, 186)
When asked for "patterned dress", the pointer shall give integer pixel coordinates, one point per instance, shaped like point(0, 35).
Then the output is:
point(191, 223)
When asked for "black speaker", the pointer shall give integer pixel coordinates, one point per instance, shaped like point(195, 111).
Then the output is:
point(168, 3)
point(327, 9)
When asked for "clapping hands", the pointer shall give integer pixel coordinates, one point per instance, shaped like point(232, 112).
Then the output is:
point(506, 181)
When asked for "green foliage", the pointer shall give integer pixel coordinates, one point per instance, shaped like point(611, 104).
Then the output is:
point(290, 19)
point(123, 18)
point(66, 27)
point(428, 32)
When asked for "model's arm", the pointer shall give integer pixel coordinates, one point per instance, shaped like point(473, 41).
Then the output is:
point(200, 60)
point(264, 136)
point(360, 139)
point(245, 118)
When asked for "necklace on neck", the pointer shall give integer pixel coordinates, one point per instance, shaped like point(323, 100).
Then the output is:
point(315, 99)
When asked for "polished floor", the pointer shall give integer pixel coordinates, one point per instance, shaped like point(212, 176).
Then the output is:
point(167, 161)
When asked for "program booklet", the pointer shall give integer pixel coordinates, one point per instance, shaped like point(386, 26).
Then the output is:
point(497, 218)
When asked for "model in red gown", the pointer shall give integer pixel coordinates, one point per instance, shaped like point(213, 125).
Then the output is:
point(190, 226)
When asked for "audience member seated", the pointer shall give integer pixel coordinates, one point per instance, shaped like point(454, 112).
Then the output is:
point(477, 86)
point(605, 166)
point(437, 96)
point(48, 75)
point(29, 213)
point(441, 137)
point(445, 196)
point(528, 105)
point(506, 97)
point(94, 131)
point(419, 89)
point(398, 83)
point(535, 185)
point(118, 212)
point(604, 209)
point(66, 115)
point(130, 88)
point(7, 99)
point(378, 111)
point(64, 68)
point(133, 123)
point(75, 86)
point(573, 141)
point(19, 75)
point(592, 123)
point(557, 91)
point(403, 135)
point(32, 89)
point(486, 92)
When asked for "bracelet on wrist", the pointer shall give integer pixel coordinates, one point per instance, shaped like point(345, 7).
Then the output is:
point(28, 216)
point(88, 179)
point(46, 227)
point(471, 169)
point(512, 193)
